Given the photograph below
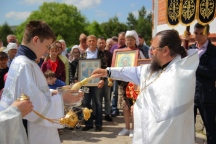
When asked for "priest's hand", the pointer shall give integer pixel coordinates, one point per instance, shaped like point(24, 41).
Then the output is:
point(72, 96)
point(24, 106)
point(99, 73)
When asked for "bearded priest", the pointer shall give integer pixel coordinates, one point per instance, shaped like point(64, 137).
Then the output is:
point(163, 110)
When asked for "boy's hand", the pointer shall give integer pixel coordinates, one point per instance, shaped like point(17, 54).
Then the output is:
point(54, 92)
point(71, 96)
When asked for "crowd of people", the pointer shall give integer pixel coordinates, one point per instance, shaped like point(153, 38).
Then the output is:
point(169, 86)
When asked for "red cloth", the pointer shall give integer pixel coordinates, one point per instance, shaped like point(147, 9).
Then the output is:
point(53, 65)
point(60, 72)
point(130, 93)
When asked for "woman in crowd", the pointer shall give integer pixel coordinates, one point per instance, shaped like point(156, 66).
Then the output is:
point(53, 62)
point(83, 43)
point(124, 102)
point(73, 61)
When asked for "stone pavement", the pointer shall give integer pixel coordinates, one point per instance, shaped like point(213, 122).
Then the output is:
point(109, 135)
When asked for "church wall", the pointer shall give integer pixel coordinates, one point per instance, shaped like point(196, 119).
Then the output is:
point(159, 22)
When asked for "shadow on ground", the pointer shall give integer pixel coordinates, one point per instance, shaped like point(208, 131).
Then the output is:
point(109, 134)
point(110, 131)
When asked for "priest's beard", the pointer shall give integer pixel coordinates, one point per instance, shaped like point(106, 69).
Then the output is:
point(155, 66)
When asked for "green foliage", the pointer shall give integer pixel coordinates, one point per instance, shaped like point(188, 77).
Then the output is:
point(65, 20)
point(5, 30)
point(59, 37)
point(68, 23)
point(113, 27)
point(95, 29)
point(142, 24)
point(132, 21)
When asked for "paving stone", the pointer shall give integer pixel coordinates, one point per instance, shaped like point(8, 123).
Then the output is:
point(109, 135)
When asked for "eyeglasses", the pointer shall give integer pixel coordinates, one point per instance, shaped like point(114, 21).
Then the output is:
point(152, 48)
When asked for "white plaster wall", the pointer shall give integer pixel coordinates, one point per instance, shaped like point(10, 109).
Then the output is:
point(180, 28)
point(154, 31)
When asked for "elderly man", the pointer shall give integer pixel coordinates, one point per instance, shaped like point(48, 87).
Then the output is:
point(64, 48)
point(11, 50)
point(11, 39)
point(121, 42)
point(163, 112)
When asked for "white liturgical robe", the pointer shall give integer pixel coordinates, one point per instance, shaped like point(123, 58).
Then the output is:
point(25, 76)
point(11, 127)
point(163, 112)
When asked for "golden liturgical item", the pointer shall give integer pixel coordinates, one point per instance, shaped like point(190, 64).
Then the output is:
point(70, 119)
point(110, 82)
point(87, 113)
point(78, 85)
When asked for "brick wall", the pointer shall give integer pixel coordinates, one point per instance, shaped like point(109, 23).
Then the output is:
point(161, 12)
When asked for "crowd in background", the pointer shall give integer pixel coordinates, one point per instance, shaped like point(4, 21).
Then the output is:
point(60, 67)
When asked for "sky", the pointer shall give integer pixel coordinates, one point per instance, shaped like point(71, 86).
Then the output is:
point(14, 12)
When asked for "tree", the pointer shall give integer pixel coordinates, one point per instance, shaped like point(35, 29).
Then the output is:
point(113, 27)
point(95, 29)
point(142, 12)
point(132, 21)
point(5, 30)
point(65, 20)
point(142, 24)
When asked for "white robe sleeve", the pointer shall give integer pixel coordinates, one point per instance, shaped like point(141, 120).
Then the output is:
point(11, 127)
point(128, 74)
point(27, 78)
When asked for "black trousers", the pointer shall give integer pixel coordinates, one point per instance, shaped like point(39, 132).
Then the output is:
point(208, 114)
